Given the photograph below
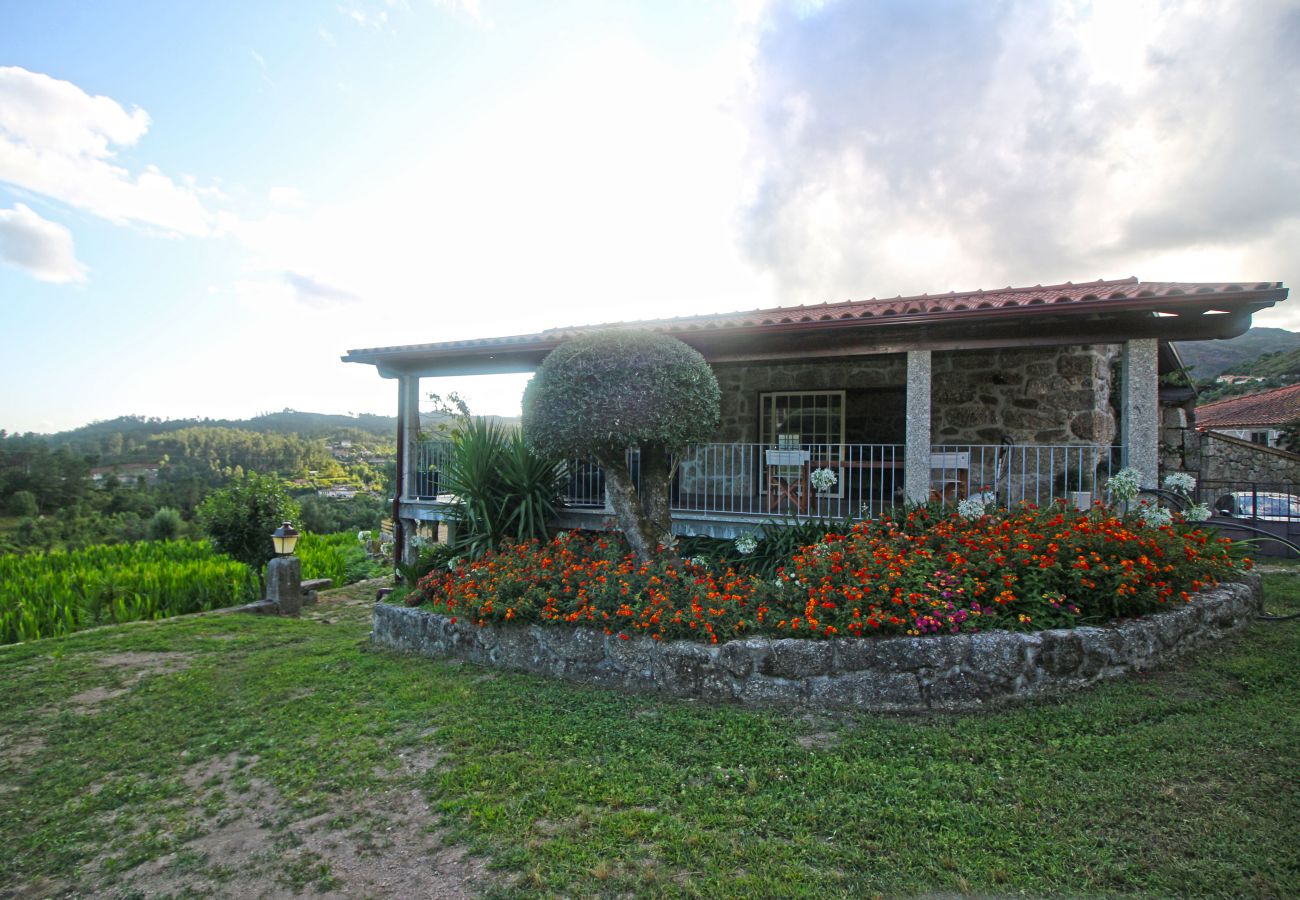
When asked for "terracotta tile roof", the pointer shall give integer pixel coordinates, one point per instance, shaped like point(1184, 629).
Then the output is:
point(1275, 407)
point(1101, 296)
point(1008, 298)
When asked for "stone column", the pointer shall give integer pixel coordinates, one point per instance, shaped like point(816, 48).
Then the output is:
point(284, 584)
point(1139, 426)
point(408, 436)
point(916, 460)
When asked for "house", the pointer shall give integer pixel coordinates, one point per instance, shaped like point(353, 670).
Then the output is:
point(1012, 394)
point(1258, 418)
point(127, 472)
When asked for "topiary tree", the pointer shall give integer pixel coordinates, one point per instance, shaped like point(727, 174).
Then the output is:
point(240, 518)
point(603, 392)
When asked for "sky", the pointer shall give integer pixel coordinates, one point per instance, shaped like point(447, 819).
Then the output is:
point(203, 206)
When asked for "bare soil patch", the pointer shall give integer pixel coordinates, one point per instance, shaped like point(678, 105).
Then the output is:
point(383, 843)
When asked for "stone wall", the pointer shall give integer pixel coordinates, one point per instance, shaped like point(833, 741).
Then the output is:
point(1049, 395)
point(953, 672)
point(1216, 458)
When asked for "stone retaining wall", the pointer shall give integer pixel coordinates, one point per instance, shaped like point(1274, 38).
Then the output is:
point(953, 672)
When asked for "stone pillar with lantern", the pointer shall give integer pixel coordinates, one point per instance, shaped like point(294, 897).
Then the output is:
point(284, 572)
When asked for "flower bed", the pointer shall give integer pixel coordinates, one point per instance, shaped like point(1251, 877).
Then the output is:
point(927, 572)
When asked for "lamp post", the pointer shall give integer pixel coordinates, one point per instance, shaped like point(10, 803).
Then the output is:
point(284, 573)
point(284, 539)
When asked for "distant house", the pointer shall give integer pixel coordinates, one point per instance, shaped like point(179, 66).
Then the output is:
point(1012, 394)
point(1239, 379)
point(127, 472)
point(1258, 418)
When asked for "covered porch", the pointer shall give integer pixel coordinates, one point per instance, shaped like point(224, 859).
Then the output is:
point(723, 490)
point(1028, 394)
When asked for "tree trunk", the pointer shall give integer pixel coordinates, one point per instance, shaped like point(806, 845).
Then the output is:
point(656, 499)
point(627, 507)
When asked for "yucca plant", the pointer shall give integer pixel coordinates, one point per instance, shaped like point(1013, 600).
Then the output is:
point(503, 488)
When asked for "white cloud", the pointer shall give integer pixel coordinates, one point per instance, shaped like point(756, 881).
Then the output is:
point(59, 141)
point(42, 247)
point(901, 148)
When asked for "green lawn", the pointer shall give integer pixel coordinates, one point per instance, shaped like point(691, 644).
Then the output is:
point(240, 755)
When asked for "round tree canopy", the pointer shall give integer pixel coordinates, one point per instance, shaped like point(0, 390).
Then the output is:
point(609, 390)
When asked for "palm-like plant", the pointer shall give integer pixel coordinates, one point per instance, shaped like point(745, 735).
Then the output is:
point(503, 488)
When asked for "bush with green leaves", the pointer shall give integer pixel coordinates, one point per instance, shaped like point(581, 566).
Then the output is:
point(165, 525)
point(21, 503)
point(240, 518)
point(601, 393)
point(503, 488)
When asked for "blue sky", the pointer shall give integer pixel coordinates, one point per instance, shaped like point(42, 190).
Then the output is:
point(203, 206)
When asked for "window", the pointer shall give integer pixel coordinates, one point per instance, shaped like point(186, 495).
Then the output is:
point(808, 420)
point(813, 417)
point(1259, 437)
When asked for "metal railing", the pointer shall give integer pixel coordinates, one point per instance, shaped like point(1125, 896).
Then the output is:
point(429, 468)
point(831, 481)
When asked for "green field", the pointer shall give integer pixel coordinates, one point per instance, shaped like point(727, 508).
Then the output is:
point(47, 595)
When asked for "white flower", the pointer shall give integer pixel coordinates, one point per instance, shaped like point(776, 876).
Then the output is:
point(746, 544)
point(698, 561)
point(1199, 513)
point(1180, 482)
point(1125, 485)
point(971, 508)
point(823, 479)
point(1155, 516)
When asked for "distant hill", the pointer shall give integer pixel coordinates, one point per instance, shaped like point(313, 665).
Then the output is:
point(1209, 359)
point(289, 421)
point(1279, 364)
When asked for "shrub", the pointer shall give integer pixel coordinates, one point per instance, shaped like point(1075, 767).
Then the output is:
point(164, 525)
point(21, 503)
point(240, 518)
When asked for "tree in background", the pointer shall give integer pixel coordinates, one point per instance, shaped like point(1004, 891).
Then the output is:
point(604, 392)
point(240, 518)
point(164, 525)
point(22, 503)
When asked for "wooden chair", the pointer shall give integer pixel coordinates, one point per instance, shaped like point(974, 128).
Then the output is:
point(787, 478)
point(954, 476)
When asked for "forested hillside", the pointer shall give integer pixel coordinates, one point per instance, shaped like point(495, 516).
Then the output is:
point(1209, 359)
point(106, 481)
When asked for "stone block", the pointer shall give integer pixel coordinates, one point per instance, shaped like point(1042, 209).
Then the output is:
point(1061, 653)
point(796, 658)
point(956, 689)
point(577, 645)
point(907, 654)
point(681, 667)
point(866, 690)
point(742, 657)
point(763, 690)
point(1001, 655)
point(636, 656)
point(1173, 627)
point(1079, 365)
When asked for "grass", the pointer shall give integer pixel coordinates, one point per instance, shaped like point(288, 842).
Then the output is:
point(1180, 782)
